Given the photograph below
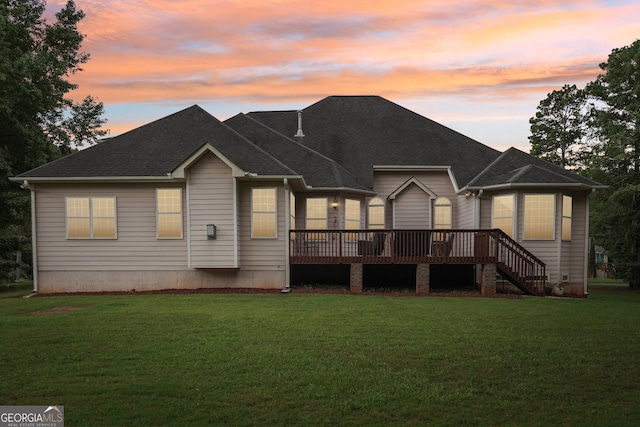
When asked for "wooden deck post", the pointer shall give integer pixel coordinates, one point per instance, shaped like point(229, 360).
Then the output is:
point(355, 283)
point(488, 285)
point(422, 278)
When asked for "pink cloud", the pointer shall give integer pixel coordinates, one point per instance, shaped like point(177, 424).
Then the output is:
point(276, 51)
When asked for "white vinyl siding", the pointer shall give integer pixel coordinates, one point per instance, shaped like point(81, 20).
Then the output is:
point(439, 182)
point(260, 254)
point(412, 209)
point(91, 217)
point(211, 201)
point(136, 247)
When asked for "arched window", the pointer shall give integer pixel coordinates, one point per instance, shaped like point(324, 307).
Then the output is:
point(442, 214)
point(376, 214)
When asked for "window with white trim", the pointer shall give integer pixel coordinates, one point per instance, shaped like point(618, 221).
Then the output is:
point(539, 216)
point(375, 215)
point(91, 217)
point(351, 214)
point(292, 214)
point(502, 213)
point(316, 217)
point(351, 218)
point(442, 214)
point(169, 213)
point(567, 216)
point(264, 216)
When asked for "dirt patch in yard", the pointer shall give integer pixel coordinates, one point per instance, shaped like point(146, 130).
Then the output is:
point(54, 310)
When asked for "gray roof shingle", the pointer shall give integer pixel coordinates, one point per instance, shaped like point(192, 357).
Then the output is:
point(359, 132)
point(317, 170)
point(345, 136)
point(515, 167)
point(159, 147)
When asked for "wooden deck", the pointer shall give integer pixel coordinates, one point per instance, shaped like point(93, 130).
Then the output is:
point(420, 247)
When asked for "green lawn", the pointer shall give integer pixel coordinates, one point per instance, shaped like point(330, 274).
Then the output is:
point(311, 359)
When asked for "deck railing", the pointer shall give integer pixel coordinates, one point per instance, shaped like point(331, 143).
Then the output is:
point(517, 264)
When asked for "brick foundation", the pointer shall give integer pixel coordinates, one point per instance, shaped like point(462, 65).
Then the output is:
point(422, 278)
point(488, 285)
point(355, 283)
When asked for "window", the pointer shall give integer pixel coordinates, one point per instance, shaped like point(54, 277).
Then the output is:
point(352, 214)
point(376, 214)
point(503, 213)
point(91, 217)
point(539, 216)
point(264, 218)
point(292, 214)
point(567, 214)
point(317, 217)
point(351, 218)
point(169, 213)
point(442, 214)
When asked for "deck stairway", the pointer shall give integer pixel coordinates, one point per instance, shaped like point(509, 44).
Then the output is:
point(519, 266)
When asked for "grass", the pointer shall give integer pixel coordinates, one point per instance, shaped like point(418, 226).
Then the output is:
point(320, 359)
point(604, 281)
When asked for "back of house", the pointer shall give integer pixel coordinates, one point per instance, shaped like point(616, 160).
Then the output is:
point(354, 184)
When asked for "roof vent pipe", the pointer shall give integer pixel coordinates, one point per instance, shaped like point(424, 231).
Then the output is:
point(299, 135)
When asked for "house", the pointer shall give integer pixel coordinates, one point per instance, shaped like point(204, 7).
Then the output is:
point(354, 184)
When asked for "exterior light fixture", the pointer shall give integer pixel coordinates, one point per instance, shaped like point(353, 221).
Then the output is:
point(334, 204)
point(211, 231)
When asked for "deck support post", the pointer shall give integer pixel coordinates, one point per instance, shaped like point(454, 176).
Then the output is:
point(488, 284)
point(422, 278)
point(355, 281)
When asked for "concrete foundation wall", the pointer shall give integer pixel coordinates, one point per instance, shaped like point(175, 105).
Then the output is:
point(126, 281)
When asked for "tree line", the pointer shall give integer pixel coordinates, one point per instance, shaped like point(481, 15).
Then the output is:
point(38, 121)
point(595, 130)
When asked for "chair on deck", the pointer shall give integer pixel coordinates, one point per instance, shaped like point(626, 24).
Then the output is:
point(374, 246)
point(443, 247)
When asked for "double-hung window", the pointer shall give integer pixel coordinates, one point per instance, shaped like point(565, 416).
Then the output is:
point(292, 214)
point(264, 216)
point(442, 214)
point(502, 213)
point(317, 217)
point(91, 217)
point(169, 213)
point(539, 216)
point(376, 214)
point(351, 218)
point(567, 215)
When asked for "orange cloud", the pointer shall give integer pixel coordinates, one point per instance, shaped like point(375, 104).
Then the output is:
point(275, 51)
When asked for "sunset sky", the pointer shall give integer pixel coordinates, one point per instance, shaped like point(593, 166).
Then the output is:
point(478, 67)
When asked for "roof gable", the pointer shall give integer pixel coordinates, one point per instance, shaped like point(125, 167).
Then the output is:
point(412, 181)
point(158, 148)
